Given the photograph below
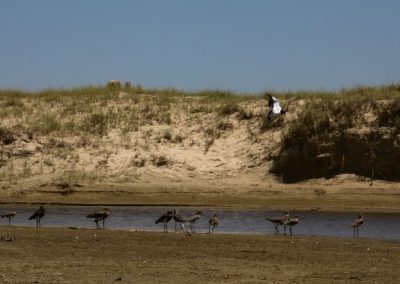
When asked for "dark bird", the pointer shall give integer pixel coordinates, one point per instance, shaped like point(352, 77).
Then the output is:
point(165, 219)
point(212, 223)
point(279, 221)
point(178, 220)
point(193, 219)
point(38, 215)
point(101, 215)
point(9, 215)
point(274, 107)
point(293, 221)
point(357, 223)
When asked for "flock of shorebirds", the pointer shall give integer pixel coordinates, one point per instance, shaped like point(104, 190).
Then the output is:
point(39, 214)
point(285, 220)
point(289, 221)
point(165, 218)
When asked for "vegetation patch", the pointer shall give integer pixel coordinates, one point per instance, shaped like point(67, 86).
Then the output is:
point(160, 161)
point(6, 136)
point(96, 123)
point(331, 137)
point(46, 124)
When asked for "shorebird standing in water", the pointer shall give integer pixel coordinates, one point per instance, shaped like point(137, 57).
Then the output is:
point(165, 219)
point(293, 221)
point(193, 219)
point(9, 215)
point(279, 221)
point(212, 223)
point(101, 215)
point(178, 219)
point(38, 215)
point(357, 223)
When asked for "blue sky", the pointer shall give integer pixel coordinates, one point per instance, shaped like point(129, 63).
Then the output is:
point(243, 46)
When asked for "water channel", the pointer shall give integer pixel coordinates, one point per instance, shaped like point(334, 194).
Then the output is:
point(240, 221)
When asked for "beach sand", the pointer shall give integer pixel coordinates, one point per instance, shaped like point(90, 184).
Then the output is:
point(62, 255)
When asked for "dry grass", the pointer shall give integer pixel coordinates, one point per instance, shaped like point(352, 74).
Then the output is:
point(66, 122)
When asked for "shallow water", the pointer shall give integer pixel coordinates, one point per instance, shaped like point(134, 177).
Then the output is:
point(376, 226)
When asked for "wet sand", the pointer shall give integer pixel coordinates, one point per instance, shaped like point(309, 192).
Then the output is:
point(52, 255)
point(324, 195)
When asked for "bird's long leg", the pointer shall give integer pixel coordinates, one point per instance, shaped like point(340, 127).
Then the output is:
point(290, 229)
point(9, 221)
point(103, 224)
point(209, 229)
point(276, 228)
point(284, 228)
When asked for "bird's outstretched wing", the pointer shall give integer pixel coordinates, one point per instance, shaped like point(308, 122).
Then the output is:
point(270, 101)
point(273, 104)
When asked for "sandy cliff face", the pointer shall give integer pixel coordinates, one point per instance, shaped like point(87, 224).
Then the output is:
point(126, 138)
point(188, 143)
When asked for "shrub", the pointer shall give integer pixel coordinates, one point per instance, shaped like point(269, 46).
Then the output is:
point(114, 84)
point(224, 125)
point(277, 122)
point(138, 162)
point(244, 115)
point(6, 136)
point(46, 124)
point(128, 85)
point(229, 108)
point(389, 114)
point(178, 138)
point(13, 102)
point(160, 161)
point(96, 123)
point(166, 135)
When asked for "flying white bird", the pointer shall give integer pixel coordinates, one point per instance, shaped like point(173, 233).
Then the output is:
point(274, 107)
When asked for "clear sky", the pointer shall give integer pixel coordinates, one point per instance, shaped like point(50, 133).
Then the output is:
point(244, 46)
